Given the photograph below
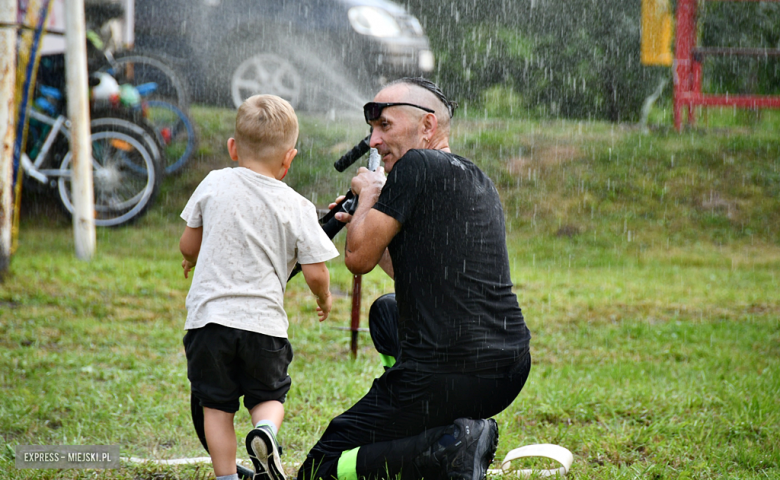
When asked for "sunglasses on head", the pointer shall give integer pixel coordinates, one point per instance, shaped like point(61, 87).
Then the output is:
point(373, 110)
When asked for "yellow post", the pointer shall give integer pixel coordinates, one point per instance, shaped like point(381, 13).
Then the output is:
point(656, 33)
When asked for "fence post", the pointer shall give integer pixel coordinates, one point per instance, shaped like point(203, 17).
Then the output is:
point(7, 129)
point(80, 146)
point(354, 327)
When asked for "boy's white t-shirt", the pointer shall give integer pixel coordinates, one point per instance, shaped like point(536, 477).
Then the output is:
point(255, 228)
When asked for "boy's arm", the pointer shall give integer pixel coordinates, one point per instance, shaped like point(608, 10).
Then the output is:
point(190, 247)
point(318, 280)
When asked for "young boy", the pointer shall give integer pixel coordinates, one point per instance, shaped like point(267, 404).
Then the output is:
point(246, 230)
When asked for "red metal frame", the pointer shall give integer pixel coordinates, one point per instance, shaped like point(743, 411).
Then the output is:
point(688, 75)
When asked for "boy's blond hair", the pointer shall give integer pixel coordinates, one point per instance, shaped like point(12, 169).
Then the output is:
point(266, 125)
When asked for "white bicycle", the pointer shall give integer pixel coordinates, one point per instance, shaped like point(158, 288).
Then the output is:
point(126, 164)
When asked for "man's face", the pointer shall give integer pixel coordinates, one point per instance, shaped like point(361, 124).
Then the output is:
point(397, 130)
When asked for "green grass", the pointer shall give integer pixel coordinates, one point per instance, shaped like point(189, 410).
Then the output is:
point(648, 268)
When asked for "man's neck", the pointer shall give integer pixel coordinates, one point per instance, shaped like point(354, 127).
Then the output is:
point(440, 144)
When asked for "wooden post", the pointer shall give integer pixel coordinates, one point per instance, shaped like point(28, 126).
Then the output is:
point(7, 126)
point(78, 114)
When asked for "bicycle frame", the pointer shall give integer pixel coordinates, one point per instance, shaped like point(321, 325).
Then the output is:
point(33, 167)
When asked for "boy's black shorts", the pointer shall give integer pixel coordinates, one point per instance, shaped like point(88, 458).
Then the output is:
point(225, 363)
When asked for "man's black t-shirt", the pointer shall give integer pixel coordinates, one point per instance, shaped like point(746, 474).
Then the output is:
point(457, 309)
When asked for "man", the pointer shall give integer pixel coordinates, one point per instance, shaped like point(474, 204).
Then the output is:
point(456, 338)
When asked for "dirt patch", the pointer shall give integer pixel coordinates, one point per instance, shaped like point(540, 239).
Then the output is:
point(544, 157)
point(568, 231)
point(716, 203)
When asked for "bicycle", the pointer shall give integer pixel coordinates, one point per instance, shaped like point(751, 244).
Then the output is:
point(107, 53)
point(166, 102)
point(172, 128)
point(126, 174)
point(176, 133)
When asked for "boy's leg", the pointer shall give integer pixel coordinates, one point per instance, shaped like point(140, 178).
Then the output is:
point(210, 360)
point(265, 384)
point(272, 410)
point(221, 437)
point(261, 442)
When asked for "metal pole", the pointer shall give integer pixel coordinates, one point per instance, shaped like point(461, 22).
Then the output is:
point(78, 114)
point(128, 25)
point(685, 40)
point(7, 126)
point(357, 282)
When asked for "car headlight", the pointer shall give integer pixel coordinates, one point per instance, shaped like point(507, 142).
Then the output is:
point(425, 61)
point(373, 21)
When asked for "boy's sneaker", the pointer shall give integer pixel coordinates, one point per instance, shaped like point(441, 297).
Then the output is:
point(473, 451)
point(265, 454)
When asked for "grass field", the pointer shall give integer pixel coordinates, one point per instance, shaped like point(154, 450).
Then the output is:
point(647, 266)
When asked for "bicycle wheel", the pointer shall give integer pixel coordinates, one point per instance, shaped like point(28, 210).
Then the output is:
point(137, 69)
point(176, 132)
point(125, 175)
point(133, 124)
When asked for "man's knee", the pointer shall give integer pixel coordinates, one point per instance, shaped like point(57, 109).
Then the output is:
point(383, 325)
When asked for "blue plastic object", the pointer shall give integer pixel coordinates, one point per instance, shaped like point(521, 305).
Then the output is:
point(52, 92)
point(146, 88)
point(46, 106)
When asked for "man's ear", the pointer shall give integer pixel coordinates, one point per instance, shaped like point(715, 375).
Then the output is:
point(430, 124)
point(232, 149)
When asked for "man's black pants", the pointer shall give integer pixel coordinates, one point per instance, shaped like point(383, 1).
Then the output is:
point(405, 411)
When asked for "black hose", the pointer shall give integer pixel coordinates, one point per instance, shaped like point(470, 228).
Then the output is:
point(353, 155)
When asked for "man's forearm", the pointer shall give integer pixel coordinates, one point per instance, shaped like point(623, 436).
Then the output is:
point(356, 229)
point(368, 234)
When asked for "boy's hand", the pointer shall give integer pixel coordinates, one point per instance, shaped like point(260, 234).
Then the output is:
point(324, 305)
point(187, 266)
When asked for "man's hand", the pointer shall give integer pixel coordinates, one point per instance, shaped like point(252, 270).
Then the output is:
point(367, 179)
point(342, 217)
point(187, 266)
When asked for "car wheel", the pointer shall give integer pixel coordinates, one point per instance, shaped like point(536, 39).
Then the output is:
point(267, 73)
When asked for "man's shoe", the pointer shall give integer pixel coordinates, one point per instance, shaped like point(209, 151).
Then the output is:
point(265, 454)
point(472, 452)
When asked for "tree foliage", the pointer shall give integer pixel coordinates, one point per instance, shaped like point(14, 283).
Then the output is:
point(576, 58)
point(580, 58)
point(741, 25)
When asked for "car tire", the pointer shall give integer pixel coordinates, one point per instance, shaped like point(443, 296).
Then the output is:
point(266, 72)
point(308, 73)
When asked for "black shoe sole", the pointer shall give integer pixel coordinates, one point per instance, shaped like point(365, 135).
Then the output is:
point(264, 453)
